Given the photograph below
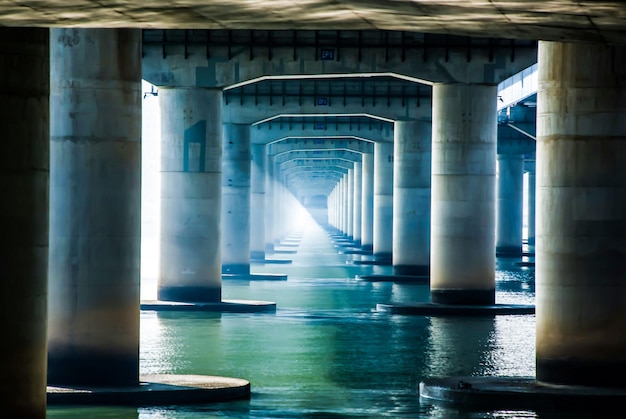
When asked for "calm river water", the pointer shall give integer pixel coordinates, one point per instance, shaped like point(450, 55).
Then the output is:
point(326, 352)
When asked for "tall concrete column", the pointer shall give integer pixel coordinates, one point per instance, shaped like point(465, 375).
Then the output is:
point(367, 202)
point(581, 214)
point(269, 203)
point(95, 207)
point(24, 162)
point(411, 197)
point(342, 205)
point(257, 202)
point(191, 180)
point(509, 212)
point(531, 207)
point(383, 200)
point(356, 218)
point(350, 203)
point(236, 199)
point(463, 215)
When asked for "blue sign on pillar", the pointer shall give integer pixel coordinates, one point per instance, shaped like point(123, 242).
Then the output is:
point(327, 54)
point(194, 147)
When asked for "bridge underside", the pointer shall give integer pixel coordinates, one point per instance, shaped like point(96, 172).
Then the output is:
point(556, 20)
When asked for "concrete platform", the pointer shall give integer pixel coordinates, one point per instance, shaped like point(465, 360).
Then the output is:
point(284, 252)
point(377, 262)
point(155, 390)
point(225, 306)
point(271, 261)
point(255, 277)
point(413, 279)
point(432, 309)
point(520, 393)
point(355, 252)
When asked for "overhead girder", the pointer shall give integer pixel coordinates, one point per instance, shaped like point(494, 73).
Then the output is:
point(321, 144)
point(235, 58)
point(269, 132)
point(319, 163)
point(236, 112)
point(318, 154)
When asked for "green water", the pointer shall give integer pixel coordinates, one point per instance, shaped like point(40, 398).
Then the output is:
point(326, 352)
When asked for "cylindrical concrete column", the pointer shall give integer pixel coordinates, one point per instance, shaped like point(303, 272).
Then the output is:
point(411, 197)
point(510, 208)
point(350, 203)
point(531, 207)
point(191, 184)
point(24, 162)
point(367, 202)
point(269, 203)
point(257, 202)
point(95, 207)
point(581, 214)
point(344, 204)
point(383, 201)
point(356, 218)
point(463, 215)
point(236, 199)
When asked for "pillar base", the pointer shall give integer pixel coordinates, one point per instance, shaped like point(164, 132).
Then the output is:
point(522, 393)
point(435, 309)
point(411, 270)
point(154, 390)
point(368, 247)
point(399, 279)
point(225, 306)
point(255, 277)
point(509, 251)
point(190, 294)
point(236, 269)
point(582, 372)
point(92, 368)
point(463, 297)
point(257, 255)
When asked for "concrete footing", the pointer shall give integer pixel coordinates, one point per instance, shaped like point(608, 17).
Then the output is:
point(405, 279)
point(433, 309)
point(522, 393)
point(224, 306)
point(255, 277)
point(155, 390)
point(271, 261)
point(374, 261)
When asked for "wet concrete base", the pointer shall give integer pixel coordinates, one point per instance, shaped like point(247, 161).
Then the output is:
point(255, 277)
point(433, 309)
point(404, 279)
point(349, 251)
point(154, 390)
point(519, 393)
point(224, 306)
point(376, 262)
point(271, 261)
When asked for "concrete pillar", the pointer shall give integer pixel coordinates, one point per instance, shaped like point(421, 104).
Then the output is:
point(367, 202)
point(463, 215)
point(411, 197)
point(24, 162)
point(236, 199)
point(269, 203)
point(191, 165)
point(350, 203)
point(531, 208)
point(581, 214)
point(383, 200)
point(343, 205)
point(356, 219)
point(95, 207)
point(257, 202)
point(509, 212)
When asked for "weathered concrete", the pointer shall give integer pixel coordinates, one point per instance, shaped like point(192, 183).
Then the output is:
point(236, 155)
point(531, 206)
point(522, 393)
point(269, 202)
point(257, 202)
point(154, 390)
point(191, 165)
point(350, 204)
point(510, 197)
point(356, 218)
point(383, 201)
point(463, 194)
point(581, 215)
point(95, 207)
point(564, 20)
point(411, 197)
point(24, 176)
point(367, 202)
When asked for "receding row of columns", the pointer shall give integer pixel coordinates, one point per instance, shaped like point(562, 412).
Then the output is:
point(71, 207)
